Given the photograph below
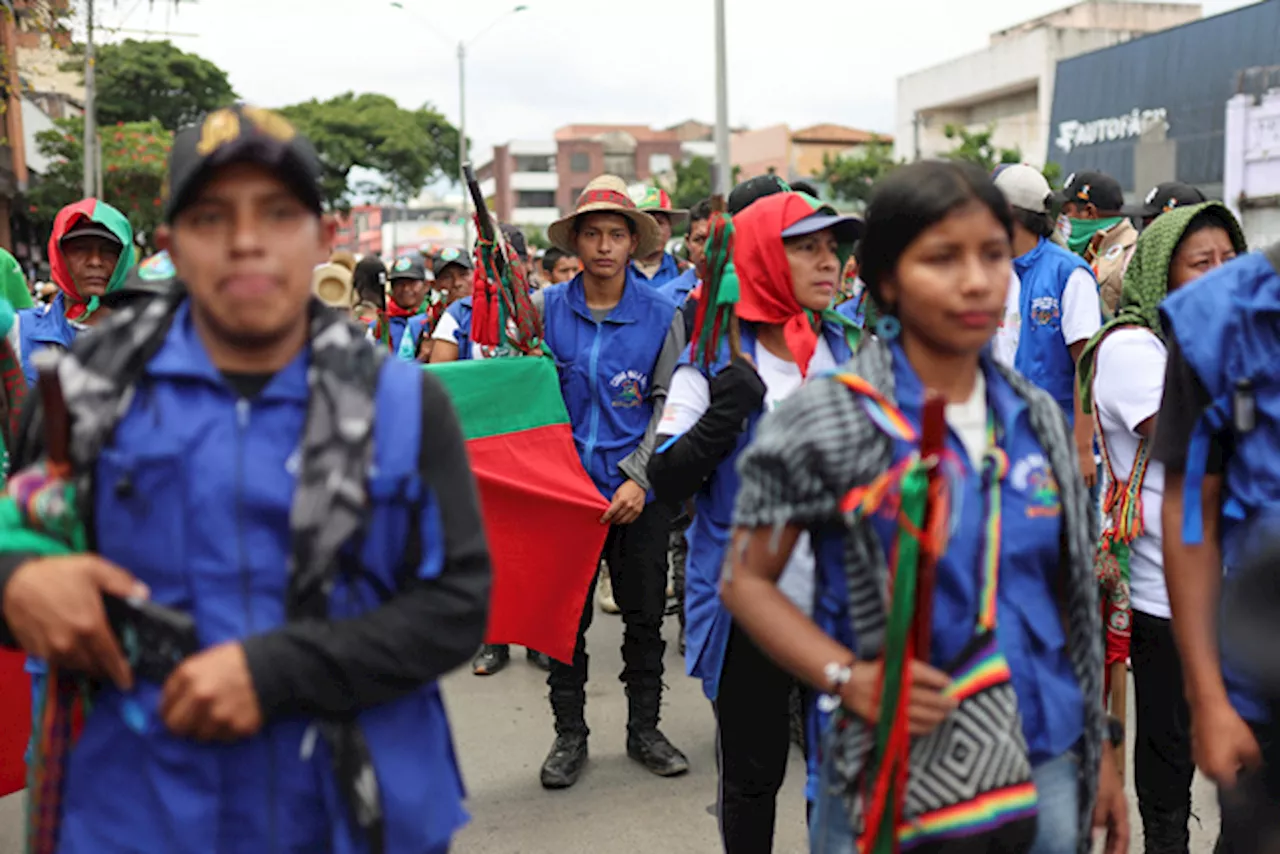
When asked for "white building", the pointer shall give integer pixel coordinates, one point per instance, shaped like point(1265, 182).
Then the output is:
point(520, 182)
point(1009, 84)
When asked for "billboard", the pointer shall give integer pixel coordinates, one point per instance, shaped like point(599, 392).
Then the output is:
point(1180, 78)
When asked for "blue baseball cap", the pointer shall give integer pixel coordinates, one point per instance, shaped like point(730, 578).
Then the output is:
point(848, 229)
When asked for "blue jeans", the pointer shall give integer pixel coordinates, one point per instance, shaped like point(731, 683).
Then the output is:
point(1057, 828)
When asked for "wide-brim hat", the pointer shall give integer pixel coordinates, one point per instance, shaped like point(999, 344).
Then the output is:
point(607, 194)
point(332, 283)
point(655, 200)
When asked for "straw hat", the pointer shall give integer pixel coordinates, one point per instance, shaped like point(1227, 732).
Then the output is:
point(607, 194)
point(332, 284)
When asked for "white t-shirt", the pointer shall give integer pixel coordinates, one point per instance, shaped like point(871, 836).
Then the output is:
point(1005, 345)
point(690, 397)
point(969, 420)
point(1081, 311)
point(446, 326)
point(1128, 386)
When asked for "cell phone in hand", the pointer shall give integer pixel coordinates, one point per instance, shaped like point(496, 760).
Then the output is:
point(155, 638)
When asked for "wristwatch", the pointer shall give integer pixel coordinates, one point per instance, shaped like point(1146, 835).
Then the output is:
point(1115, 731)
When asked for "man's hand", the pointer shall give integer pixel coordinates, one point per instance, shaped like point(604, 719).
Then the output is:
point(1088, 466)
point(1111, 812)
point(210, 697)
point(927, 707)
point(627, 505)
point(54, 608)
point(1222, 743)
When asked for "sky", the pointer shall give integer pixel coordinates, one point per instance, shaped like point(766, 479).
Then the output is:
point(564, 61)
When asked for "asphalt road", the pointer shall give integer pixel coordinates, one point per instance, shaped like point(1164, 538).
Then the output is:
point(502, 725)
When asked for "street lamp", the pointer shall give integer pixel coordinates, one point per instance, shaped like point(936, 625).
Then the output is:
point(462, 111)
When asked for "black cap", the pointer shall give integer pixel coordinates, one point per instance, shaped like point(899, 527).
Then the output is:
point(447, 257)
point(1101, 190)
point(410, 267)
point(1164, 198)
point(89, 228)
point(241, 134)
point(754, 189)
point(153, 277)
point(515, 237)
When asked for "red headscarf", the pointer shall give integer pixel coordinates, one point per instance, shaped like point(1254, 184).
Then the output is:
point(766, 292)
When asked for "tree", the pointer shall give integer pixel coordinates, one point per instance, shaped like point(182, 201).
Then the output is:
point(133, 170)
point(977, 148)
point(693, 181)
point(852, 177)
point(408, 148)
point(143, 80)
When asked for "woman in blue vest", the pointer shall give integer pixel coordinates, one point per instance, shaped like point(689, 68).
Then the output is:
point(1058, 303)
point(1219, 442)
point(331, 576)
point(936, 258)
point(787, 256)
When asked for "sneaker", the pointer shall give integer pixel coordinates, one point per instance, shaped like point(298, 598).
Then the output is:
point(564, 763)
point(540, 660)
point(604, 594)
point(652, 750)
point(490, 659)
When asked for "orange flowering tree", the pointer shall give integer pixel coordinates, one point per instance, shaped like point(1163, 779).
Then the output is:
point(134, 155)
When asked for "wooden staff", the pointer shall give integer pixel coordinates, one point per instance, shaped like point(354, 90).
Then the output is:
point(57, 423)
point(933, 437)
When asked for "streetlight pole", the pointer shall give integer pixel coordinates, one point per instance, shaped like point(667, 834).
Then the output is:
point(90, 110)
point(462, 146)
point(724, 170)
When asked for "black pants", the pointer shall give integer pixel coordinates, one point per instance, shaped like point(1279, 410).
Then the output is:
point(1162, 763)
point(637, 558)
point(753, 735)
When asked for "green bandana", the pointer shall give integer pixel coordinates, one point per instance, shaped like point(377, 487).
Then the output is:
point(1083, 230)
point(1146, 281)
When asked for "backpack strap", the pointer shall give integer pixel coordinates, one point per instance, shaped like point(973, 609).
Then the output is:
point(397, 428)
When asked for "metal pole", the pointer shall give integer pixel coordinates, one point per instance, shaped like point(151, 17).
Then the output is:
point(462, 144)
point(724, 169)
point(97, 165)
point(90, 107)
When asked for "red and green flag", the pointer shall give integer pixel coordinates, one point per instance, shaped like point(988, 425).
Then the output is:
point(541, 509)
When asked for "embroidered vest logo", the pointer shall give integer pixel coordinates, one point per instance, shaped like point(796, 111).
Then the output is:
point(1045, 311)
point(1032, 476)
point(629, 389)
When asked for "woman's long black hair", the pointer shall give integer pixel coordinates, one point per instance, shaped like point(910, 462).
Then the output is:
point(912, 200)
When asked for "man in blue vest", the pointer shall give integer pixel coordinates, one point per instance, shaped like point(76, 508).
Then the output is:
point(252, 463)
point(659, 266)
point(408, 277)
point(1057, 303)
point(1217, 434)
point(617, 341)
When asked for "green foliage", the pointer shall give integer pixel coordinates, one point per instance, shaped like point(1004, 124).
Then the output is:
point(536, 238)
point(140, 81)
point(693, 182)
point(133, 170)
point(408, 148)
point(977, 148)
point(1053, 174)
point(851, 178)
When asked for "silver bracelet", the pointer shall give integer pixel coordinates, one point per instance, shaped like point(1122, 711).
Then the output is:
point(837, 675)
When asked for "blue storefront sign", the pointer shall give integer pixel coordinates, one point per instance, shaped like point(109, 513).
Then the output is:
point(1182, 77)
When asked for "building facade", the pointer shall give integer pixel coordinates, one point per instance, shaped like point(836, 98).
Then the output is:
point(1155, 109)
point(793, 155)
point(1009, 85)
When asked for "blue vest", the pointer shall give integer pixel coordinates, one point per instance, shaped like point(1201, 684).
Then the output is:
point(413, 332)
point(854, 310)
point(606, 370)
point(40, 327)
point(1225, 325)
point(679, 287)
point(193, 496)
point(461, 312)
point(1043, 356)
point(707, 621)
point(397, 326)
point(669, 269)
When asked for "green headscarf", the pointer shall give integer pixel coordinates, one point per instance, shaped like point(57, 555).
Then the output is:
point(13, 282)
point(1146, 281)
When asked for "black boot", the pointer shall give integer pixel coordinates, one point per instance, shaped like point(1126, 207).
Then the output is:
point(563, 765)
point(490, 659)
point(540, 660)
point(645, 742)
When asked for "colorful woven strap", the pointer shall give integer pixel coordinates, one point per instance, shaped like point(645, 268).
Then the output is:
point(1122, 502)
point(995, 467)
point(720, 291)
point(61, 710)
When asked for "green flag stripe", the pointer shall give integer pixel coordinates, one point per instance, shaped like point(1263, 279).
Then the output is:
point(507, 395)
